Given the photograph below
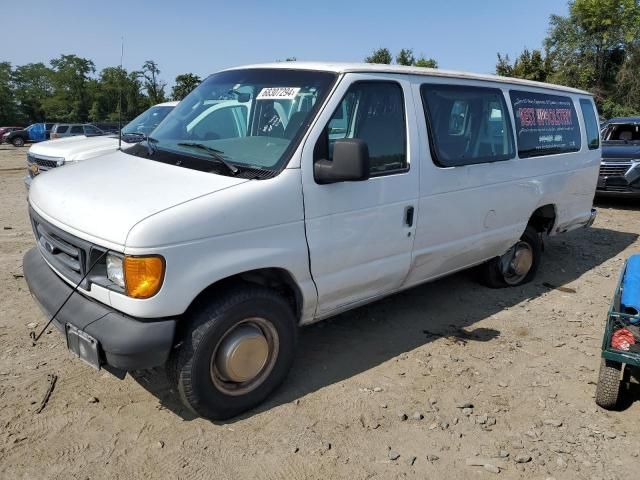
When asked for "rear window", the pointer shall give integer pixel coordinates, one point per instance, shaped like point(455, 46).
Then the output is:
point(590, 123)
point(467, 125)
point(61, 128)
point(546, 124)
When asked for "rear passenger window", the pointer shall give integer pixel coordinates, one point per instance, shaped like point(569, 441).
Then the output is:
point(373, 112)
point(590, 123)
point(546, 124)
point(62, 129)
point(467, 125)
point(77, 129)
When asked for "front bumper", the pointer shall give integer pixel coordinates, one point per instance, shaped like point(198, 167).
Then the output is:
point(125, 343)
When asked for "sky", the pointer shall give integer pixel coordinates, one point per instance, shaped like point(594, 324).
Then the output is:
point(203, 36)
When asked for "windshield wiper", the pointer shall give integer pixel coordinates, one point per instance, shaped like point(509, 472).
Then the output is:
point(214, 153)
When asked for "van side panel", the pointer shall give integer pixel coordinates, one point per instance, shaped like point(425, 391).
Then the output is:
point(469, 214)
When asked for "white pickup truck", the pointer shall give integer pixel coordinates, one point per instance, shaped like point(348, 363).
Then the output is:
point(55, 153)
point(277, 195)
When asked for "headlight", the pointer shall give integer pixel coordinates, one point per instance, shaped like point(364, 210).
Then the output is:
point(115, 272)
point(140, 277)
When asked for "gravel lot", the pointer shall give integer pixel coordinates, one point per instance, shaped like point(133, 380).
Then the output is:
point(375, 393)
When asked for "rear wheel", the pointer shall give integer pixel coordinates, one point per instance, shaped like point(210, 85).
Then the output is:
point(518, 265)
point(608, 389)
point(18, 142)
point(236, 351)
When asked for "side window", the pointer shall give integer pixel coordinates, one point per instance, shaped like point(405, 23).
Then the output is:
point(546, 124)
point(227, 122)
point(76, 130)
point(467, 125)
point(62, 128)
point(90, 130)
point(591, 123)
point(373, 112)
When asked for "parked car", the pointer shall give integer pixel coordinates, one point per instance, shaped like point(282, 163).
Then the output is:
point(620, 167)
point(107, 127)
point(36, 132)
point(47, 155)
point(275, 196)
point(62, 130)
point(4, 130)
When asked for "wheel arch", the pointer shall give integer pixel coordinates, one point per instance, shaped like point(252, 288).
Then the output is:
point(543, 219)
point(276, 278)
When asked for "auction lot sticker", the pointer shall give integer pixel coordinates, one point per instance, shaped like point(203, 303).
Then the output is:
point(278, 93)
point(545, 124)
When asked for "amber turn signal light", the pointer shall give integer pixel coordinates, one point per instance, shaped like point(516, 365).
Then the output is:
point(143, 276)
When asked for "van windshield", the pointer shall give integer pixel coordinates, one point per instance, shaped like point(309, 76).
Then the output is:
point(252, 119)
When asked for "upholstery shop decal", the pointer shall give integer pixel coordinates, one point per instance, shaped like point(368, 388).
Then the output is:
point(545, 124)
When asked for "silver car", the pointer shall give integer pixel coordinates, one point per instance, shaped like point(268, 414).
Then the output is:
point(62, 130)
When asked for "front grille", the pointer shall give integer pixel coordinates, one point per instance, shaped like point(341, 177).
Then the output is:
point(614, 169)
point(64, 252)
point(44, 163)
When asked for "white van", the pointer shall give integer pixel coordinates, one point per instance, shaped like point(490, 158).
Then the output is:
point(55, 153)
point(311, 189)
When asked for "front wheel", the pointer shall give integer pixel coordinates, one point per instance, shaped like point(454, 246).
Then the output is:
point(234, 353)
point(18, 142)
point(518, 265)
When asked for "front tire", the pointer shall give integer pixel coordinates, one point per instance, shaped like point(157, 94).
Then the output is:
point(18, 142)
point(234, 353)
point(518, 265)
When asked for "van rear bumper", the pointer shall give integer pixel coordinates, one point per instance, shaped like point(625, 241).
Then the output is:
point(125, 343)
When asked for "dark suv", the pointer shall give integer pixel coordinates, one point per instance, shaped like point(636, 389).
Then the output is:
point(620, 167)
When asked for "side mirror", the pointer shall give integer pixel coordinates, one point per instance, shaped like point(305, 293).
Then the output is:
point(350, 163)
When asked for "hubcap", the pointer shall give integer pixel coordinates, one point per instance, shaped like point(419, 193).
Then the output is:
point(517, 262)
point(244, 356)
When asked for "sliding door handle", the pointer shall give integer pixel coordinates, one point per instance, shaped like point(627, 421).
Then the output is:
point(408, 216)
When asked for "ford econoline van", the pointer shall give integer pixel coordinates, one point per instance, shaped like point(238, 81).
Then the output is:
point(274, 196)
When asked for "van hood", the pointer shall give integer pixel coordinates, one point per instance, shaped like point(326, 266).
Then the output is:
point(76, 148)
point(102, 200)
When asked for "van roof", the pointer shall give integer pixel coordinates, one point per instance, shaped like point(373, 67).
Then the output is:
point(338, 67)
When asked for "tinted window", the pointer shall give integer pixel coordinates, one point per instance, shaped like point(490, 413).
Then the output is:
point(373, 112)
point(77, 129)
point(61, 128)
point(467, 125)
point(91, 130)
point(546, 124)
point(591, 124)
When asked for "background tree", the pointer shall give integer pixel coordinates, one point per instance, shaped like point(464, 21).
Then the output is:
point(531, 65)
point(152, 83)
point(405, 57)
point(595, 48)
point(33, 86)
point(70, 100)
point(426, 62)
point(380, 55)
point(185, 83)
point(8, 110)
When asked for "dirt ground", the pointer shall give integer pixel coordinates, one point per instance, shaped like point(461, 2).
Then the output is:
point(526, 358)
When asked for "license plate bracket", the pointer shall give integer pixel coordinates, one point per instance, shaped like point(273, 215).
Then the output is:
point(82, 345)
